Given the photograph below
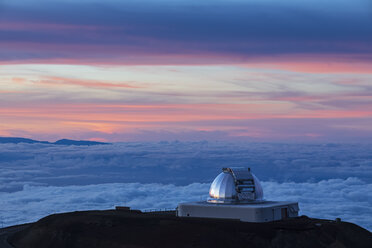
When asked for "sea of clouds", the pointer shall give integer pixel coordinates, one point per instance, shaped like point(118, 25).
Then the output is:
point(328, 180)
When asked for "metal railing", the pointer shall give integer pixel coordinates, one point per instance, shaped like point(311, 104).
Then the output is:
point(151, 210)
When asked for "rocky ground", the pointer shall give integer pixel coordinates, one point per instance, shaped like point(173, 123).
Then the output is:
point(113, 228)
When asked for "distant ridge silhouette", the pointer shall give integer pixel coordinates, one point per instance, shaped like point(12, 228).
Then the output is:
point(78, 142)
point(17, 140)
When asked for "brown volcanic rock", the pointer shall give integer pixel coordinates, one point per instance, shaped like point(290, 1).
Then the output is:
point(111, 229)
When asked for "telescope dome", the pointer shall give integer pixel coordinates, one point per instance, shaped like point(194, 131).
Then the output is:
point(223, 187)
point(235, 184)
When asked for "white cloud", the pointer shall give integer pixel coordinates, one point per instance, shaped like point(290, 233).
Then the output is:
point(329, 180)
point(349, 199)
point(34, 202)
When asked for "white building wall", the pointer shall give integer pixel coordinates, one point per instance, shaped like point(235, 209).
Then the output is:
point(248, 212)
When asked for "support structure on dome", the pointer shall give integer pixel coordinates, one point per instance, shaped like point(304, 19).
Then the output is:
point(236, 193)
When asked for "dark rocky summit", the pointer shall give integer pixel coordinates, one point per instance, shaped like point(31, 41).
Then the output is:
point(113, 228)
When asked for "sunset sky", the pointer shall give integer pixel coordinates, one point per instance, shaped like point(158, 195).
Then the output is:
point(149, 70)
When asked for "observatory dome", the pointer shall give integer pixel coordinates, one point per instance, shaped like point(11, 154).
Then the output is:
point(235, 184)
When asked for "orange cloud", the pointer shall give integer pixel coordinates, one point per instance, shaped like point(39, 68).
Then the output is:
point(10, 92)
point(85, 83)
point(170, 112)
point(165, 113)
point(18, 80)
point(64, 120)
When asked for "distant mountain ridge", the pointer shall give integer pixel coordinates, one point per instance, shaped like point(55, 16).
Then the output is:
point(78, 142)
point(17, 140)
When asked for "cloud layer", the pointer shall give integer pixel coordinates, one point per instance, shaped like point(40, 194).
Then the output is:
point(329, 180)
point(178, 163)
point(349, 199)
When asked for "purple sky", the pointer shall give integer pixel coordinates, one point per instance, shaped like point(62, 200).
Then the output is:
point(163, 70)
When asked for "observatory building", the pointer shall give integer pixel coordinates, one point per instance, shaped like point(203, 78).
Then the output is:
point(237, 194)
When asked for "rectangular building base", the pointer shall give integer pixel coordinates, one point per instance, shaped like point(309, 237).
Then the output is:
point(252, 212)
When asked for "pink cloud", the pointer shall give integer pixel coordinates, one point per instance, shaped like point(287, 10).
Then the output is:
point(129, 55)
point(111, 119)
point(314, 63)
point(86, 83)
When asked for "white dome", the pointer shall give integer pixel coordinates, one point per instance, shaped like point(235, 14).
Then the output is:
point(235, 185)
point(223, 186)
